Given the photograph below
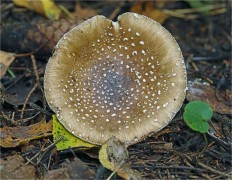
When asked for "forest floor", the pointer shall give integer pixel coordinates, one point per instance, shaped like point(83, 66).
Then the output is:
point(27, 147)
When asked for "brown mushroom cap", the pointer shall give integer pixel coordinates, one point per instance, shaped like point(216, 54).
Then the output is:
point(124, 78)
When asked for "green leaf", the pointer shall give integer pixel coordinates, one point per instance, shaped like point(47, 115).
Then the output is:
point(196, 114)
point(68, 139)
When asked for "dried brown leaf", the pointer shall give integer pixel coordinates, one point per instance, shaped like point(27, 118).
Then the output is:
point(148, 9)
point(14, 136)
point(77, 169)
point(208, 94)
point(61, 173)
point(6, 59)
point(14, 168)
point(113, 155)
point(84, 13)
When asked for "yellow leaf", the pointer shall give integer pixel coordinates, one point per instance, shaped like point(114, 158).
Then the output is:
point(68, 140)
point(113, 155)
point(103, 158)
point(44, 7)
point(51, 10)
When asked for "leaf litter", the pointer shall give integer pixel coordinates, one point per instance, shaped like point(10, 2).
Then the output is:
point(178, 159)
point(15, 136)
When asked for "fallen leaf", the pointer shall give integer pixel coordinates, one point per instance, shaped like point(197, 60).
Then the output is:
point(18, 92)
point(15, 136)
point(51, 10)
point(68, 140)
point(207, 94)
point(14, 168)
point(44, 7)
point(61, 173)
point(77, 169)
point(113, 155)
point(84, 13)
point(80, 170)
point(148, 9)
point(6, 59)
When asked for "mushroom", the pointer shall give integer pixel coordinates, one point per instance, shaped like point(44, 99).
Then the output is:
point(125, 79)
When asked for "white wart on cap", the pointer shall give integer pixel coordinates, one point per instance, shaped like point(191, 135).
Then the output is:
point(124, 78)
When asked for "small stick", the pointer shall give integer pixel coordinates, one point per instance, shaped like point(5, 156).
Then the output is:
point(116, 10)
point(29, 118)
point(11, 120)
point(27, 99)
point(35, 68)
point(43, 151)
point(194, 66)
point(206, 145)
point(31, 53)
point(36, 107)
point(213, 170)
point(205, 166)
point(116, 169)
point(37, 84)
point(49, 161)
point(37, 79)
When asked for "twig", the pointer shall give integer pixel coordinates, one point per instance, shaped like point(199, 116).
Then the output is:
point(196, 161)
point(206, 176)
point(159, 174)
point(206, 145)
point(43, 151)
point(168, 174)
point(15, 81)
point(73, 152)
point(225, 145)
point(31, 53)
point(38, 80)
point(49, 161)
point(116, 10)
point(190, 13)
point(35, 68)
point(29, 118)
point(47, 149)
point(213, 170)
point(207, 58)
point(194, 66)
point(11, 120)
point(27, 99)
point(36, 107)
point(116, 169)
point(36, 85)
point(192, 168)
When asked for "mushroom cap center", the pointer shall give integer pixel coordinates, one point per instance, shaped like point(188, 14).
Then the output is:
point(111, 86)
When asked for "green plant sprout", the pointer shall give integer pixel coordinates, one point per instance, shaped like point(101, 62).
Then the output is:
point(196, 115)
point(12, 74)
